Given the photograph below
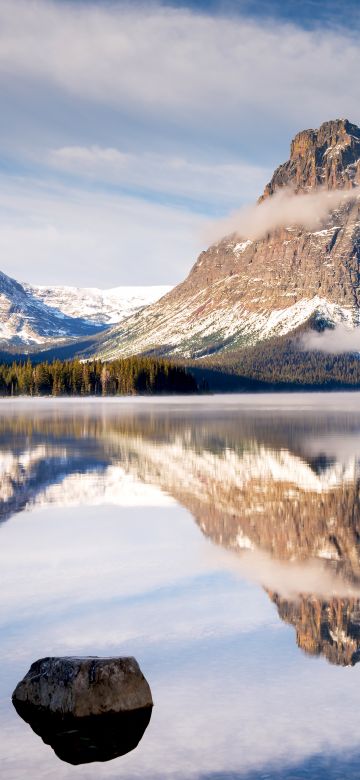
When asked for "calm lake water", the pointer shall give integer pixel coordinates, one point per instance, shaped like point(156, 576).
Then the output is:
point(218, 541)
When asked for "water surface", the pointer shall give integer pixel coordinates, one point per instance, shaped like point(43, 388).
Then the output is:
point(218, 541)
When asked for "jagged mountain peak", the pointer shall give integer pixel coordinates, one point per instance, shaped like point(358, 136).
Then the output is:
point(327, 157)
point(336, 131)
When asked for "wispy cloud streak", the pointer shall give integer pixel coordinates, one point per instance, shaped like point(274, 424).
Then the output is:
point(207, 182)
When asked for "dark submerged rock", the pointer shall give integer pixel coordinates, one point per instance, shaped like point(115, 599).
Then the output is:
point(86, 709)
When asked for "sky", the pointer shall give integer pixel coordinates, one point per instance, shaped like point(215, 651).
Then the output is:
point(128, 128)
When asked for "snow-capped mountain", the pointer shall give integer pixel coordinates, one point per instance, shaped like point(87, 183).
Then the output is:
point(26, 321)
point(245, 290)
point(104, 307)
point(32, 316)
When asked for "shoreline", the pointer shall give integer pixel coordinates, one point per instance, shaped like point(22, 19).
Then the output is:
point(343, 401)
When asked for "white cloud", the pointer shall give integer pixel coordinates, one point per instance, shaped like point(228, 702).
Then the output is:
point(63, 235)
point(285, 208)
point(90, 159)
point(155, 59)
point(291, 578)
point(334, 341)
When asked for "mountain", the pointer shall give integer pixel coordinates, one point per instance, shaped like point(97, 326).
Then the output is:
point(103, 307)
point(25, 320)
point(246, 289)
point(41, 316)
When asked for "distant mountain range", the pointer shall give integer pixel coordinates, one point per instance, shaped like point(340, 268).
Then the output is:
point(34, 317)
point(102, 307)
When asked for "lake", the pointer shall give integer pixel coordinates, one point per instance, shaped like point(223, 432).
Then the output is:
point(215, 539)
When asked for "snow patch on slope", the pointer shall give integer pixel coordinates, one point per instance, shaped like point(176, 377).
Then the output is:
point(240, 247)
point(182, 332)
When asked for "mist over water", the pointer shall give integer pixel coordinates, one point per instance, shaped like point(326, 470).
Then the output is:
point(217, 540)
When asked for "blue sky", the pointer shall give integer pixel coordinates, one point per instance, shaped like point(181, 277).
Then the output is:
point(307, 13)
point(127, 128)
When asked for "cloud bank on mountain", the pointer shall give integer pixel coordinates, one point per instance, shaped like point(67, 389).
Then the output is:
point(283, 209)
point(334, 341)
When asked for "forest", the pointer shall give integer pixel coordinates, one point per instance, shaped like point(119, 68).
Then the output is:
point(127, 376)
point(279, 363)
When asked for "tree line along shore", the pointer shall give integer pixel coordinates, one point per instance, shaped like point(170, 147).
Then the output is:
point(276, 366)
point(127, 376)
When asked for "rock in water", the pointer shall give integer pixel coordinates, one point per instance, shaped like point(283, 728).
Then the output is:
point(87, 709)
point(84, 686)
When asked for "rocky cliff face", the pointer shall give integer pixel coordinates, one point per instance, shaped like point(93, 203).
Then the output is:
point(328, 157)
point(241, 291)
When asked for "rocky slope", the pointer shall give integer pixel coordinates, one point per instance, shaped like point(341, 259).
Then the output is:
point(31, 316)
point(243, 290)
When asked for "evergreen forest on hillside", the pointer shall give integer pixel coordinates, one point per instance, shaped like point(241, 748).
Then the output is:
point(127, 376)
point(280, 364)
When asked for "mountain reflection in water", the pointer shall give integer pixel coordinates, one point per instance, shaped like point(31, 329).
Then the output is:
point(279, 492)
